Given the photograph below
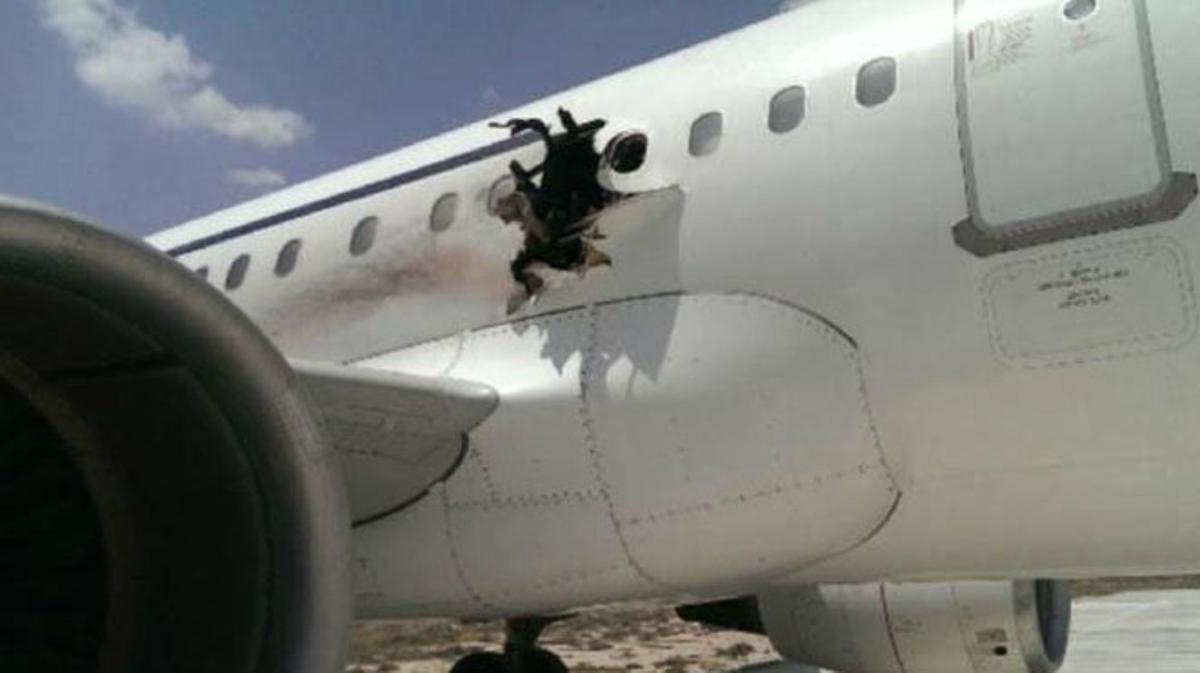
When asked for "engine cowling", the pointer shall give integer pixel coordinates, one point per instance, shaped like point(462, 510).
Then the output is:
point(957, 627)
point(169, 501)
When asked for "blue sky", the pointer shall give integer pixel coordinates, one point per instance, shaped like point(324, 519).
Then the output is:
point(141, 115)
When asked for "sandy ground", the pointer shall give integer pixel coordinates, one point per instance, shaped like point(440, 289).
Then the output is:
point(637, 637)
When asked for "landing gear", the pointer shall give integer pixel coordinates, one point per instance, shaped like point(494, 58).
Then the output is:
point(521, 652)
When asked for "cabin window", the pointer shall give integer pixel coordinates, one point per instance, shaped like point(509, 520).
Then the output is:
point(363, 236)
point(626, 152)
point(202, 272)
point(444, 210)
point(706, 134)
point(787, 110)
point(286, 261)
point(500, 189)
point(876, 82)
point(237, 272)
point(1077, 10)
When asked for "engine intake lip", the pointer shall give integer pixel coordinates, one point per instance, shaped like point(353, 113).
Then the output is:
point(1043, 616)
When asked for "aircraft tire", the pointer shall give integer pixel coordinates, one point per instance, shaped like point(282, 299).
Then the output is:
point(539, 660)
point(481, 662)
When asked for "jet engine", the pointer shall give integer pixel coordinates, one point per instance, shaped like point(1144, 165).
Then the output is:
point(959, 627)
point(168, 500)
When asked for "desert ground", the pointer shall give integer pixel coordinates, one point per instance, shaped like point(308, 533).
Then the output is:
point(628, 638)
point(640, 637)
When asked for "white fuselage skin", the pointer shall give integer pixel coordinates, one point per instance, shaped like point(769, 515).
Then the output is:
point(792, 373)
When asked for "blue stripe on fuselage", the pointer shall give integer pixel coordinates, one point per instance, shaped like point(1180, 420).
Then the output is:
point(398, 180)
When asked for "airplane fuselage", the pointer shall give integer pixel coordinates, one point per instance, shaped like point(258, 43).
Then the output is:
point(942, 328)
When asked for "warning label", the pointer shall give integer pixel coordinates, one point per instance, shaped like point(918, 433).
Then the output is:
point(1100, 303)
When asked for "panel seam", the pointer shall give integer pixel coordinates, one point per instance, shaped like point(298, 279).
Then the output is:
point(456, 560)
point(593, 447)
point(891, 631)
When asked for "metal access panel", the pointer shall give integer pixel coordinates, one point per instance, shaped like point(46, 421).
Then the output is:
point(1061, 122)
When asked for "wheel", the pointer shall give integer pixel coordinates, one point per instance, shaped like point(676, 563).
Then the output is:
point(538, 660)
point(480, 662)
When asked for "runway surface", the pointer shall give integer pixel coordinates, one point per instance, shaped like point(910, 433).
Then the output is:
point(1146, 632)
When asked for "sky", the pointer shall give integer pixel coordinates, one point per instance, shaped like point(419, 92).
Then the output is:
point(141, 115)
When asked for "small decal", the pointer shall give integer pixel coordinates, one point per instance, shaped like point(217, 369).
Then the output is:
point(1084, 285)
point(1094, 304)
point(991, 636)
point(998, 43)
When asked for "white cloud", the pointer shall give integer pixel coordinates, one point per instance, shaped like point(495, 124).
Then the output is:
point(256, 178)
point(134, 67)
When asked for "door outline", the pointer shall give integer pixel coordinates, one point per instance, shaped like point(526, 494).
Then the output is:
point(1167, 201)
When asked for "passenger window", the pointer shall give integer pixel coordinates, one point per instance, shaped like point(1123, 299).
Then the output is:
point(237, 272)
point(364, 235)
point(876, 82)
point(626, 152)
point(500, 189)
point(286, 261)
point(444, 210)
point(1077, 10)
point(787, 110)
point(706, 134)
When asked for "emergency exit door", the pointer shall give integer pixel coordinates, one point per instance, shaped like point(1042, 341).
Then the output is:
point(1061, 122)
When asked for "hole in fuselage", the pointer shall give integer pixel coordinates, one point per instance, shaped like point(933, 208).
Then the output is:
point(557, 202)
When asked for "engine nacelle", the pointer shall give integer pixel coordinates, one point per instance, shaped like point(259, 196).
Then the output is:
point(957, 627)
point(169, 501)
